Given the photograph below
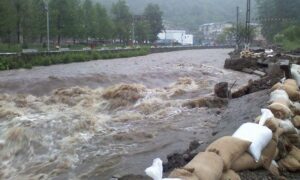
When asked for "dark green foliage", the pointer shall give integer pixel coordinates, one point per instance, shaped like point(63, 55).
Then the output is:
point(28, 61)
point(289, 38)
point(153, 16)
point(10, 47)
point(272, 10)
point(122, 19)
point(24, 21)
point(72, 23)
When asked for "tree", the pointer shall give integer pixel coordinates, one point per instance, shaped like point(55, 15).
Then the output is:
point(142, 31)
point(103, 23)
point(122, 20)
point(153, 14)
point(7, 20)
point(64, 18)
point(289, 38)
point(231, 34)
point(277, 15)
point(89, 20)
point(74, 21)
point(38, 26)
point(21, 10)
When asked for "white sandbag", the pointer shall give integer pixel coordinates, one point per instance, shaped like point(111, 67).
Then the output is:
point(279, 94)
point(288, 127)
point(295, 106)
point(258, 135)
point(265, 115)
point(156, 171)
point(295, 71)
point(275, 163)
point(269, 51)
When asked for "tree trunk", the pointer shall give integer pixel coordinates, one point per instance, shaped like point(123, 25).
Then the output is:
point(58, 39)
point(18, 32)
point(41, 38)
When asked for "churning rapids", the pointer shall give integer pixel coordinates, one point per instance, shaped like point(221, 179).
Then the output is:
point(96, 119)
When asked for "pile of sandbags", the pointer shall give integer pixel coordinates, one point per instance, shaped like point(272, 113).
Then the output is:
point(249, 54)
point(230, 154)
point(272, 142)
point(295, 71)
point(287, 117)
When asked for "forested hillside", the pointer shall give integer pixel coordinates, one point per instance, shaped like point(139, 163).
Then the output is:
point(281, 22)
point(189, 14)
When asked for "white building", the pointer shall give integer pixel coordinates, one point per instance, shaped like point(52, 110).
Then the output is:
point(211, 31)
point(258, 32)
point(179, 36)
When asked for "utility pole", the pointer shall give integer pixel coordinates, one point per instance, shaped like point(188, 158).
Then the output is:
point(48, 33)
point(133, 29)
point(237, 28)
point(248, 31)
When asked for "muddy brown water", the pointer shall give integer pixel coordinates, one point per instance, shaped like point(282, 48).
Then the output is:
point(97, 119)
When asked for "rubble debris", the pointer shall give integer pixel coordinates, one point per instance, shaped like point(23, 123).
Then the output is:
point(257, 85)
point(221, 90)
point(210, 102)
point(179, 159)
point(239, 64)
point(285, 66)
point(247, 70)
point(259, 73)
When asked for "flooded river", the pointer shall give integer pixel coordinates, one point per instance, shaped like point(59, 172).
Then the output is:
point(97, 119)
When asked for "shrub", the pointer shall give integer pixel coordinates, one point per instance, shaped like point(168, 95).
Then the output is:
point(28, 66)
point(95, 55)
point(28, 61)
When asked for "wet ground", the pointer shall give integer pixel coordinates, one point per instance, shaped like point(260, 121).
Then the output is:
point(99, 119)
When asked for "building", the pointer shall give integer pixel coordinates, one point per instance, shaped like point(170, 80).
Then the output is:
point(178, 36)
point(258, 32)
point(211, 31)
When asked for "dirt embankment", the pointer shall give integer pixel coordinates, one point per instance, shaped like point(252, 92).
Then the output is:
point(238, 111)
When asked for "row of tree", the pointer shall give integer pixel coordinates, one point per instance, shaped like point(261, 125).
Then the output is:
point(277, 15)
point(24, 22)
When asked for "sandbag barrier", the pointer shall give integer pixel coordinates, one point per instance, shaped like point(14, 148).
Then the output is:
point(271, 142)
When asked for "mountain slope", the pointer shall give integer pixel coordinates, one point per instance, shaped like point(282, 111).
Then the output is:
point(188, 14)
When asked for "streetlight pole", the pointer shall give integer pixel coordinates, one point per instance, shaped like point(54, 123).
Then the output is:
point(133, 33)
point(48, 33)
point(237, 28)
point(248, 31)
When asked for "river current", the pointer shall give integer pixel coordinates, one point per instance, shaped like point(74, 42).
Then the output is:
point(97, 119)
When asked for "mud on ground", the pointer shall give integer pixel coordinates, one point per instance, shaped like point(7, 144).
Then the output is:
point(239, 111)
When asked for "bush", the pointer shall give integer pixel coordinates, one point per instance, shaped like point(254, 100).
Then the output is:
point(28, 66)
point(10, 47)
point(28, 61)
point(95, 55)
point(289, 38)
point(2, 66)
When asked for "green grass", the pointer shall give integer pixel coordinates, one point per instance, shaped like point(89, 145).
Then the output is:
point(30, 60)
